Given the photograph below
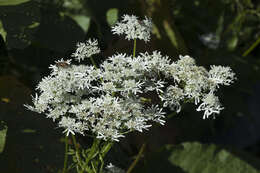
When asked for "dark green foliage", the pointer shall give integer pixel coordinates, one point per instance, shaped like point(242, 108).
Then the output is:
point(197, 158)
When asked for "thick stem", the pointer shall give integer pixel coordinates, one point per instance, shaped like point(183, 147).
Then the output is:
point(134, 48)
point(65, 155)
point(77, 150)
point(95, 65)
point(93, 62)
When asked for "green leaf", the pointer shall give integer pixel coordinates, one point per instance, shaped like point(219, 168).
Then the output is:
point(76, 10)
point(82, 20)
point(12, 2)
point(2, 31)
point(194, 157)
point(232, 43)
point(112, 16)
point(220, 26)
point(3, 131)
point(34, 25)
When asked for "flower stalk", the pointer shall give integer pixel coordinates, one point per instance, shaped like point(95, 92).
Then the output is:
point(65, 155)
point(134, 50)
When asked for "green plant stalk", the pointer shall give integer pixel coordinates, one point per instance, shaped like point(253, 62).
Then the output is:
point(77, 150)
point(93, 166)
point(107, 146)
point(137, 158)
point(94, 148)
point(252, 47)
point(93, 62)
point(102, 163)
point(134, 47)
point(95, 65)
point(96, 155)
point(66, 155)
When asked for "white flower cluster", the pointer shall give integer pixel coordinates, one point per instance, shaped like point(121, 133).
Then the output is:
point(126, 93)
point(113, 169)
point(86, 50)
point(210, 40)
point(133, 28)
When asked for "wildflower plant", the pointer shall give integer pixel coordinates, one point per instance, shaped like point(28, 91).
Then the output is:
point(125, 93)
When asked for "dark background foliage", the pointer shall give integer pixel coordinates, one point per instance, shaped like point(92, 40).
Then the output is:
point(35, 33)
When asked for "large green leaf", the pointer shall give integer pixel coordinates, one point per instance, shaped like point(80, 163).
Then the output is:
point(198, 158)
point(82, 20)
point(76, 10)
point(12, 2)
point(2, 31)
point(112, 16)
point(3, 131)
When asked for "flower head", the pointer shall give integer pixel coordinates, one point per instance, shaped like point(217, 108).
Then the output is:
point(220, 75)
point(113, 169)
point(133, 28)
point(86, 50)
point(210, 105)
point(210, 40)
point(125, 93)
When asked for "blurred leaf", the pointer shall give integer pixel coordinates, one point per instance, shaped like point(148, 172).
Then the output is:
point(112, 16)
point(232, 42)
point(20, 22)
point(82, 20)
point(248, 3)
point(197, 158)
point(2, 31)
point(34, 25)
point(171, 34)
point(73, 4)
point(76, 10)
point(12, 2)
point(220, 26)
point(3, 131)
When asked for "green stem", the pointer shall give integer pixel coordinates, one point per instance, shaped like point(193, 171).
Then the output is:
point(96, 155)
point(137, 159)
point(95, 65)
point(104, 151)
point(134, 48)
point(93, 150)
point(93, 166)
point(66, 155)
point(106, 148)
point(93, 62)
point(170, 115)
point(77, 150)
point(251, 47)
point(102, 164)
